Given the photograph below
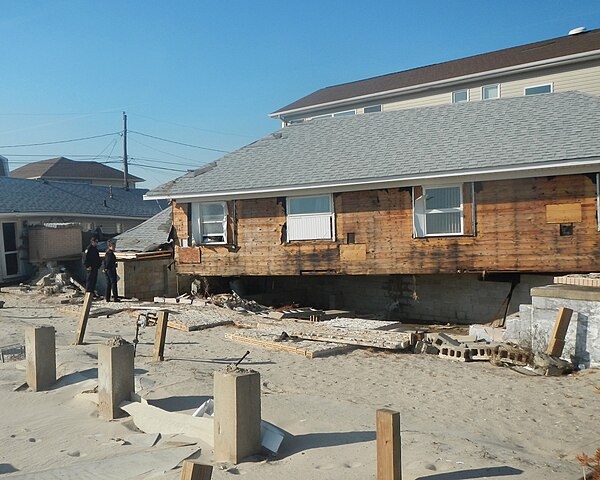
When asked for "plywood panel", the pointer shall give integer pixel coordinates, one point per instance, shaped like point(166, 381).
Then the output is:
point(563, 213)
point(353, 252)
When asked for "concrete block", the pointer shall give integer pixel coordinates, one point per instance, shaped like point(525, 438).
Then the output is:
point(482, 351)
point(237, 414)
point(40, 351)
point(115, 377)
point(512, 355)
point(461, 353)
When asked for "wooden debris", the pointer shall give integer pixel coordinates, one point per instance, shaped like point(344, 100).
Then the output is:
point(305, 348)
point(559, 332)
point(363, 338)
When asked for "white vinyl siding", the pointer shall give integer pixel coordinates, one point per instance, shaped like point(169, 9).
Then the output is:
point(310, 218)
point(439, 212)
point(209, 223)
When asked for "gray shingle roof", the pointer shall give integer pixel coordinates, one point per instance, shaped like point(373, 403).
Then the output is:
point(147, 236)
point(37, 196)
point(503, 133)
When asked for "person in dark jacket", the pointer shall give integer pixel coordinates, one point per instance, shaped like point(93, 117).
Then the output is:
point(92, 263)
point(109, 267)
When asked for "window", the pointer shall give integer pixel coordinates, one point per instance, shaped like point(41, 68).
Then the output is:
point(209, 223)
point(490, 91)
point(344, 114)
point(438, 211)
point(460, 96)
point(310, 218)
point(538, 89)
point(10, 258)
point(372, 109)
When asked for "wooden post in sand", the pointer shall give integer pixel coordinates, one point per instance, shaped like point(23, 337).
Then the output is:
point(388, 445)
point(85, 312)
point(195, 471)
point(557, 339)
point(161, 335)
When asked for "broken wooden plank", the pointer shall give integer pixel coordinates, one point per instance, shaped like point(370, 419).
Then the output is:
point(559, 332)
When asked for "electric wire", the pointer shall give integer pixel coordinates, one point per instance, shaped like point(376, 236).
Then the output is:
point(175, 142)
point(60, 141)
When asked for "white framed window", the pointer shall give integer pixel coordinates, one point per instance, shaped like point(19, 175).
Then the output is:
point(310, 218)
point(537, 89)
point(209, 223)
point(490, 92)
point(459, 96)
point(345, 113)
point(439, 211)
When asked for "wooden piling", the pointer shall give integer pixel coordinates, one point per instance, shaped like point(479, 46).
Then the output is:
point(85, 312)
point(160, 337)
point(195, 471)
point(388, 445)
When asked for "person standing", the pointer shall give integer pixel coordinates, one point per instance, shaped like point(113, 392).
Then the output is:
point(109, 267)
point(92, 263)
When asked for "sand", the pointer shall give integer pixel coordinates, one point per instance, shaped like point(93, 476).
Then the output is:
point(458, 420)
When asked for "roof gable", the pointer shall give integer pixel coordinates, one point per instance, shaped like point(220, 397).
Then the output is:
point(509, 57)
point(472, 136)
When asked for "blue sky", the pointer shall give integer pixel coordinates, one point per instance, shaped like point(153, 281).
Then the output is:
point(209, 73)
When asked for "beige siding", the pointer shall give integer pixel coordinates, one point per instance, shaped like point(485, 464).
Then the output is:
point(584, 78)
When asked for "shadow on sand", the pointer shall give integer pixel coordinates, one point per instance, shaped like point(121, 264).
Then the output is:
point(486, 472)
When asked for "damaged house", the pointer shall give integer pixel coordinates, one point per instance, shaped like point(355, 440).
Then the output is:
point(440, 194)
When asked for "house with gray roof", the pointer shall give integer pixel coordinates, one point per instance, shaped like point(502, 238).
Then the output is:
point(63, 169)
point(25, 204)
point(385, 209)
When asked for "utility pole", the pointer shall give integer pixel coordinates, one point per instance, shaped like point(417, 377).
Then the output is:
point(125, 179)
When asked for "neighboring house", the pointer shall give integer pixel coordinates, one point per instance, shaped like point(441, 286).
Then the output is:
point(367, 211)
point(145, 259)
point(561, 64)
point(62, 169)
point(25, 203)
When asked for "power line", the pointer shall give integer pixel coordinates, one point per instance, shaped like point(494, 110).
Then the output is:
point(156, 160)
point(159, 168)
point(162, 151)
point(60, 141)
point(177, 143)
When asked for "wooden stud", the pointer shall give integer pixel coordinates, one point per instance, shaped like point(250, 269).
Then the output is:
point(195, 471)
point(161, 335)
point(557, 339)
point(85, 312)
point(388, 445)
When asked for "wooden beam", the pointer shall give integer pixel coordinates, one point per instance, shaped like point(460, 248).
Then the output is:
point(85, 313)
point(388, 445)
point(195, 471)
point(557, 339)
point(160, 337)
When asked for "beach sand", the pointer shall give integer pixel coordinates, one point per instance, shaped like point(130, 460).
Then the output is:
point(458, 420)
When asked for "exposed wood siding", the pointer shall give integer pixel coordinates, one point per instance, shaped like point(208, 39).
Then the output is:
point(512, 234)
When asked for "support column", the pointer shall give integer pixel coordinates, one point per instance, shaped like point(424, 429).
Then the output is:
point(237, 414)
point(115, 376)
point(40, 351)
point(195, 471)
